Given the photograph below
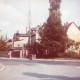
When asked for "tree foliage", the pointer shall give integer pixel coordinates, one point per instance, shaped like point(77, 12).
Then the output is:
point(53, 36)
point(4, 46)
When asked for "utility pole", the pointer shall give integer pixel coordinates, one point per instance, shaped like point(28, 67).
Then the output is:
point(29, 17)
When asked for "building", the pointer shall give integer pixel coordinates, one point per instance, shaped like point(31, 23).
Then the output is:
point(21, 41)
point(72, 31)
point(20, 45)
point(35, 37)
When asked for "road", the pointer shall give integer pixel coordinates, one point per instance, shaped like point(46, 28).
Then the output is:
point(24, 69)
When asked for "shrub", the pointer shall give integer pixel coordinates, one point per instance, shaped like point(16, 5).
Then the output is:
point(61, 55)
point(4, 46)
point(72, 54)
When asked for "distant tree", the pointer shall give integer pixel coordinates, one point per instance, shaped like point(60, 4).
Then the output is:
point(53, 36)
point(4, 46)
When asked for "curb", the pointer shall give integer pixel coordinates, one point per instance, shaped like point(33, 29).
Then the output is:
point(2, 67)
point(63, 60)
point(56, 59)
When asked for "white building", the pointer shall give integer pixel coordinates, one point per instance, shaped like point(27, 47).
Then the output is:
point(35, 37)
point(72, 31)
point(20, 40)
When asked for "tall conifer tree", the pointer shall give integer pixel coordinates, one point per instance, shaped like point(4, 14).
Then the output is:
point(53, 36)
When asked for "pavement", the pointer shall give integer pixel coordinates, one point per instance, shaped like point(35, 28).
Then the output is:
point(54, 59)
point(66, 59)
point(1, 67)
point(40, 69)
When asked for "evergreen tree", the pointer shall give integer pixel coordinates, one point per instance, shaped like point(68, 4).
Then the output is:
point(53, 36)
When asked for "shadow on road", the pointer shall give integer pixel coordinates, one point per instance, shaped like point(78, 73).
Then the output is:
point(50, 77)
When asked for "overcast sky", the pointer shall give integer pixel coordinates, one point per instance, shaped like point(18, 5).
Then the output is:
point(14, 14)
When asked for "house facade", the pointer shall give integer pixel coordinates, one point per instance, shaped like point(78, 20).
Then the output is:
point(72, 31)
point(21, 41)
point(35, 37)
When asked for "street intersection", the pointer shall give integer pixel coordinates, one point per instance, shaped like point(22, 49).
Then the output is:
point(24, 69)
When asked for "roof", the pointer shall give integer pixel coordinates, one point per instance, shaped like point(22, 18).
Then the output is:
point(32, 32)
point(68, 25)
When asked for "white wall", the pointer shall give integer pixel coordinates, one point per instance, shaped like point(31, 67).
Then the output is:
point(21, 43)
point(24, 38)
point(73, 33)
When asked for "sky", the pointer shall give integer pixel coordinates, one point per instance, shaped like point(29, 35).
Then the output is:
point(14, 14)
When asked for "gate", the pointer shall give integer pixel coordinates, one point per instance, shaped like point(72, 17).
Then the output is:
point(15, 54)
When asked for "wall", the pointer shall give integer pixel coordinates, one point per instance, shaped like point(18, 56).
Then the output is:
point(73, 33)
point(4, 53)
point(20, 43)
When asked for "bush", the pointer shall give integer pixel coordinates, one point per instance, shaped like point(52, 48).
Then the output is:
point(61, 55)
point(37, 49)
point(72, 54)
point(4, 46)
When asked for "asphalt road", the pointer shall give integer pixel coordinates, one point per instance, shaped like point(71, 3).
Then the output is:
point(24, 69)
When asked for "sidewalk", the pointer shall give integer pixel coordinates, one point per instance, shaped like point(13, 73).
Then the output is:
point(61, 59)
point(67, 59)
point(54, 59)
point(1, 67)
